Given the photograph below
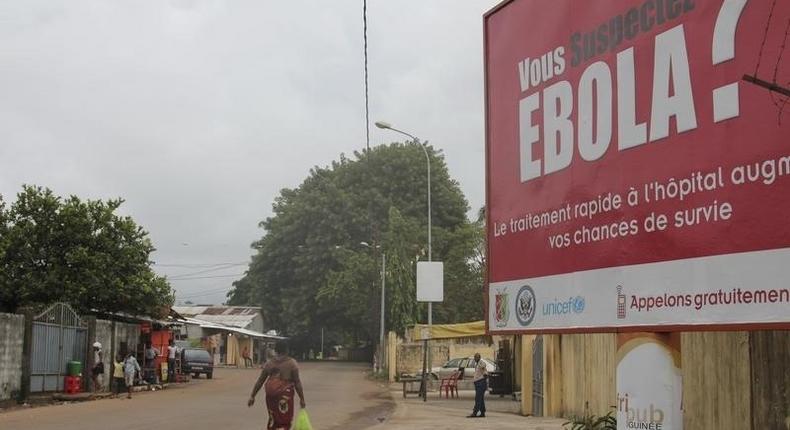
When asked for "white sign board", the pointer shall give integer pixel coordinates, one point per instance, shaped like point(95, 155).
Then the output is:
point(430, 281)
point(649, 384)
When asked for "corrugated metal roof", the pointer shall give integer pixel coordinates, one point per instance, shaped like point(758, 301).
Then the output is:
point(216, 326)
point(235, 316)
point(230, 320)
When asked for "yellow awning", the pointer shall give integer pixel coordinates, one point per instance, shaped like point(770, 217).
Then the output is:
point(449, 331)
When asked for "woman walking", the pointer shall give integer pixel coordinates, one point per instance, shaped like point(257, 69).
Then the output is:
point(281, 376)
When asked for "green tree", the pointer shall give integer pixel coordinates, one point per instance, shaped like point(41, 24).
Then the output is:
point(81, 252)
point(309, 271)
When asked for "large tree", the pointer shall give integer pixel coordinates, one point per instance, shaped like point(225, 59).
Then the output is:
point(80, 252)
point(310, 271)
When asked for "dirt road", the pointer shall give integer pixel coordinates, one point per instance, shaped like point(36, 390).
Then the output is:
point(338, 397)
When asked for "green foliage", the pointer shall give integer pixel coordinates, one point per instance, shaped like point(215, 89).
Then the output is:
point(590, 421)
point(310, 271)
point(80, 252)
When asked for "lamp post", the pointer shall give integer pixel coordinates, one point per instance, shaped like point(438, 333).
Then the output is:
point(383, 294)
point(386, 126)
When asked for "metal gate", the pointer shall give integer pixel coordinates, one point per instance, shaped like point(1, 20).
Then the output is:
point(537, 376)
point(59, 336)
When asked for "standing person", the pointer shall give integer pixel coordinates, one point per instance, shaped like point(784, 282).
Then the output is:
point(150, 355)
point(284, 374)
point(171, 361)
point(130, 367)
point(98, 367)
point(481, 385)
point(117, 375)
point(245, 354)
point(149, 363)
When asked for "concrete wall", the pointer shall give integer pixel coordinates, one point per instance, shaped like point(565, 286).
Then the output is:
point(104, 336)
point(12, 331)
point(469, 350)
point(410, 356)
point(407, 357)
point(12, 334)
point(111, 335)
point(127, 335)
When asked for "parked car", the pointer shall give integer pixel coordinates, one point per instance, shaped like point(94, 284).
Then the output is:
point(454, 364)
point(197, 361)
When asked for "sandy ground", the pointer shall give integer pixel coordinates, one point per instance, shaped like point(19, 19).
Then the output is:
point(338, 397)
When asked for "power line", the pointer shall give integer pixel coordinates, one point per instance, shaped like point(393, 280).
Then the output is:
point(198, 265)
point(781, 50)
point(204, 292)
point(765, 37)
point(226, 267)
point(205, 277)
point(365, 41)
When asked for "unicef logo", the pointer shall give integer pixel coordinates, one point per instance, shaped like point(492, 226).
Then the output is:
point(525, 305)
point(578, 304)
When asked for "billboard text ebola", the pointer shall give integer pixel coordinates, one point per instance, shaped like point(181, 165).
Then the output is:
point(626, 150)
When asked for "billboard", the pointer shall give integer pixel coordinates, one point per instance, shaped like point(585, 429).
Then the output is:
point(637, 165)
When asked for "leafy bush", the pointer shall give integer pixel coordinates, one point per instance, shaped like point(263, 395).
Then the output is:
point(590, 421)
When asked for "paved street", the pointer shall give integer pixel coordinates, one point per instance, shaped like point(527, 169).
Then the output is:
point(450, 414)
point(338, 397)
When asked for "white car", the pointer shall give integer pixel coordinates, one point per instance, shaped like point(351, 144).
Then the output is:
point(456, 363)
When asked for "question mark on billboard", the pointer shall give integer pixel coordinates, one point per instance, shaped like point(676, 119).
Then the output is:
point(725, 98)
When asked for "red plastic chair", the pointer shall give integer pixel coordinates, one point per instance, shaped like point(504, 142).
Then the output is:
point(450, 385)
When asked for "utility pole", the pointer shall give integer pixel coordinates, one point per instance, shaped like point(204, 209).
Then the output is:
point(381, 323)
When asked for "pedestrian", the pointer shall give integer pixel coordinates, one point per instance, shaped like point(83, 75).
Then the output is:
point(98, 367)
point(281, 374)
point(130, 367)
point(117, 375)
point(151, 352)
point(171, 361)
point(149, 363)
point(245, 354)
point(481, 385)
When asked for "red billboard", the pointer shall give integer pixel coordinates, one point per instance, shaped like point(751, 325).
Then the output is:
point(637, 164)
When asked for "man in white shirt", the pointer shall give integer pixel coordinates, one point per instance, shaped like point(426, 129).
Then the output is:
point(481, 385)
point(172, 350)
point(97, 372)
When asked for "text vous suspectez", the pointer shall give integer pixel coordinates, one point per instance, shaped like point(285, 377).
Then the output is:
point(593, 103)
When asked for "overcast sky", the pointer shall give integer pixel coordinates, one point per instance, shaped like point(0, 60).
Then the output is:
point(198, 112)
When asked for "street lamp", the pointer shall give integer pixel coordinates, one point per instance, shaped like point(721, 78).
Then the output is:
point(383, 293)
point(387, 126)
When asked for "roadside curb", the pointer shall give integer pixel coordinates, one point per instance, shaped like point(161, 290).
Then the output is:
point(87, 396)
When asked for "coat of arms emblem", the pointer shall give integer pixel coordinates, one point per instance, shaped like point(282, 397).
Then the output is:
point(502, 309)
